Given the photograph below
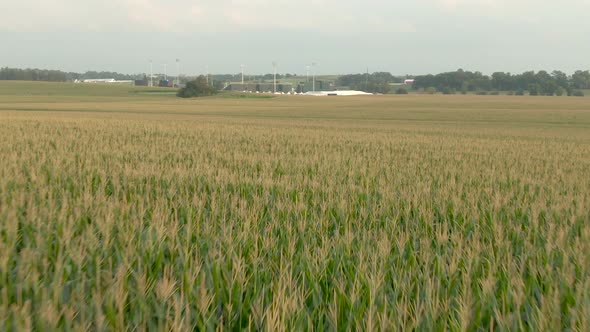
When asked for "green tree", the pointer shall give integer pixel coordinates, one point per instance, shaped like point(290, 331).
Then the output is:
point(560, 91)
point(502, 81)
point(560, 78)
point(197, 88)
point(578, 93)
point(581, 79)
point(379, 87)
point(430, 90)
point(447, 91)
point(534, 89)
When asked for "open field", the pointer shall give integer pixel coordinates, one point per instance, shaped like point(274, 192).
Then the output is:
point(124, 209)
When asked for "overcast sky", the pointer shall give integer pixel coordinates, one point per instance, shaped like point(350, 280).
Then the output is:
point(342, 36)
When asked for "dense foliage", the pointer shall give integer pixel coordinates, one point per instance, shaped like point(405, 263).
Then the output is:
point(14, 74)
point(536, 83)
point(199, 87)
point(378, 82)
point(107, 74)
point(32, 74)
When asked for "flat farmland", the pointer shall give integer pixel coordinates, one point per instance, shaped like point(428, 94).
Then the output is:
point(128, 208)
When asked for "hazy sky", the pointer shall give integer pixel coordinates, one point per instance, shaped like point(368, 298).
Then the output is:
point(407, 36)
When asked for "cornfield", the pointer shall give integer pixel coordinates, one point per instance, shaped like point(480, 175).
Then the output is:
point(391, 213)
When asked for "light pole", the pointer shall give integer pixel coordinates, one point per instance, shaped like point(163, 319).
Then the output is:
point(313, 64)
point(367, 81)
point(177, 72)
point(274, 67)
point(151, 73)
point(242, 68)
point(307, 74)
point(165, 72)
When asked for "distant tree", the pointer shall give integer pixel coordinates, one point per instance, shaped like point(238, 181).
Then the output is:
point(430, 90)
point(559, 91)
point(32, 75)
point(549, 88)
point(545, 83)
point(502, 81)
point(458, 80)
point(197, 88)
point(581, 79)
point(447, 91)
point(379, 87)
point(578, 93)
point(534, 89)
point(525, 79)
point(560, 78)
point(108, 74)
point(378, 82)
point(401, 91)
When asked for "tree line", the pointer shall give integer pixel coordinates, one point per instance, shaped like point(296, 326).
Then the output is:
point(530, 82)
point(460, 81)
point(13, 74)
point(46, 75)
point(378, 82)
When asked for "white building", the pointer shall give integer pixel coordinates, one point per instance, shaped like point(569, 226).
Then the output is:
point(338, 93)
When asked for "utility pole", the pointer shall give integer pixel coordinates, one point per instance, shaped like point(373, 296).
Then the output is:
point(242, 68)
point(207, 75)
point(165, 72)
point(307, 74)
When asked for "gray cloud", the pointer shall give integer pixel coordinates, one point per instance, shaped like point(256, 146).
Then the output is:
point(399, 36)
